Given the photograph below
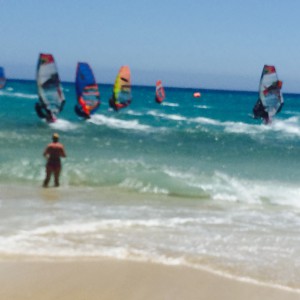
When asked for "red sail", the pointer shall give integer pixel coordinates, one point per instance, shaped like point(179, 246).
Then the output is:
point(160, 92)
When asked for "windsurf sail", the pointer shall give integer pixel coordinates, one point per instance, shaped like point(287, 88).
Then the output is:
point(2, 78)
point(159, 92)
point(270, 100)
point(88, 95)
point(51, 96)
point(121, 96)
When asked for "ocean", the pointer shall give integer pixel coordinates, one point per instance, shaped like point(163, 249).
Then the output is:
point(193, 181)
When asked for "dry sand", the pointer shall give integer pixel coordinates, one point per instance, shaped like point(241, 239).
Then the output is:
point(123, 280)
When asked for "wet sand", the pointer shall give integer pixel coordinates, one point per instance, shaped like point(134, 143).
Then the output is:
point(120, 280)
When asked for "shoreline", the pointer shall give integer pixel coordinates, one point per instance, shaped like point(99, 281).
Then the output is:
point(48, 200)
point(120, 279)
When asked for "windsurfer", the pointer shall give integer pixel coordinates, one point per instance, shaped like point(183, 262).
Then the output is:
point(259, 112)
point(121, 96)
point(114, 104)
point(270, 98)
point(44, 113)
point(117, 105)
point(87, 91)
point(84, 107)
point(53, 152)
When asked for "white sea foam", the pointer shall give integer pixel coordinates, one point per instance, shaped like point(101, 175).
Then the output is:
point(18, 95)
point(228, 188)
point(290, 112)
point(240, 127)
point(167, 116)
point(202, 106)
point(169, 104)
point(178, 174)
point(222, 187)
point(117, 123)
point(289, 127)
point(63, 125)
point(203, 120)
point(133, 113)
point(141, 187)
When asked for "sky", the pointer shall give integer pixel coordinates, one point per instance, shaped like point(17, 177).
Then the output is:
point(203, 44)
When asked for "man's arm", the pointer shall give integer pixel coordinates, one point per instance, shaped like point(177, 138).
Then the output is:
point(46, 152)
point(63, 153)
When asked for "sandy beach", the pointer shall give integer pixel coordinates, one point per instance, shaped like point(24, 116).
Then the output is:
point(119, 280)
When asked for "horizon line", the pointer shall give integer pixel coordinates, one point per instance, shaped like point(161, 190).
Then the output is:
point(167, 86)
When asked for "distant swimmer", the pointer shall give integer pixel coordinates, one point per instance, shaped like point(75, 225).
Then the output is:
point(53, 152)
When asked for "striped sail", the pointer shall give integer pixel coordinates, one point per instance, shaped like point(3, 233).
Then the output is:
point(88, 95)
point(122, 89)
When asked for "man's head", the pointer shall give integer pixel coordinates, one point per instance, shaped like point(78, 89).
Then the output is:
point(55, 137)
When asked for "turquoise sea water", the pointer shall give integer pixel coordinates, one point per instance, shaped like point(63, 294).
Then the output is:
point(194, 181)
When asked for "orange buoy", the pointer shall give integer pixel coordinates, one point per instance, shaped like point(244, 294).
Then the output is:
point(197, 95)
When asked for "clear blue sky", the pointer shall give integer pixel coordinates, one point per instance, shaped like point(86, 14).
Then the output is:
point(186, 43)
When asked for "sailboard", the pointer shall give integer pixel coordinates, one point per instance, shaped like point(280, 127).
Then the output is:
point(2, 78)
point(121, 96)
point(270, 99)
point(51, 96)
point(159, 92)
point(88, 95)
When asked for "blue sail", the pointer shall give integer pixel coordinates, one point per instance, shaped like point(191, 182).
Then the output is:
point(2, 78)
point(88, 95)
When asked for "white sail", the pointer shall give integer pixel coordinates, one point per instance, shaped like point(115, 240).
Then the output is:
point(270, 91)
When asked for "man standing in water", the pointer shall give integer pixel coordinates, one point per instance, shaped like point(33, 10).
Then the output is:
point(53, 152)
